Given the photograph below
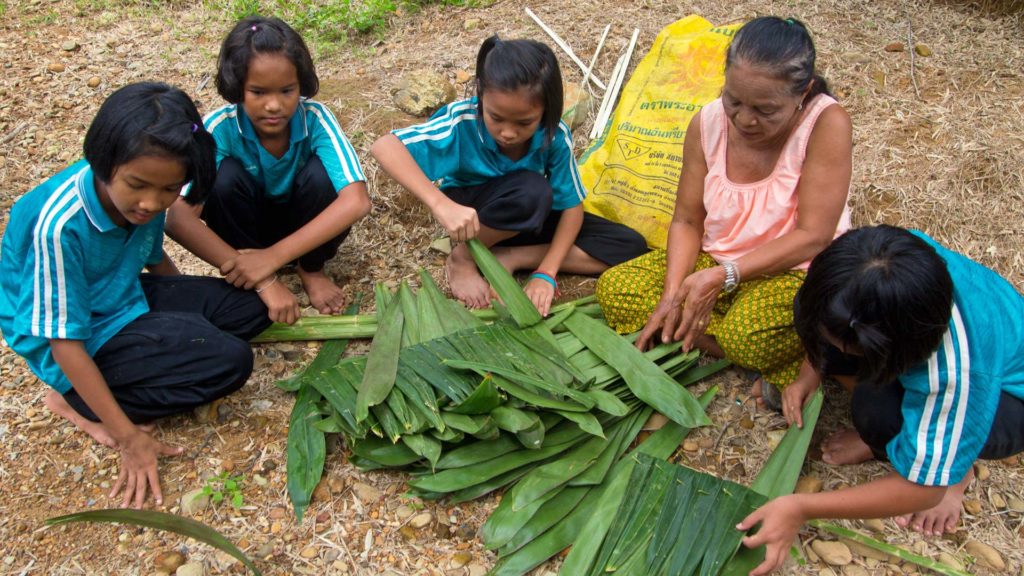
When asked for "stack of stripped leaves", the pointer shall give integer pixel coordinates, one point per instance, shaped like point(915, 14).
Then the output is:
point(468, 407)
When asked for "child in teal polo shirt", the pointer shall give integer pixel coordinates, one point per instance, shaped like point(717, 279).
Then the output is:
point(507, 176)
point(931, 344)
point(289, 185)
point(117, 349)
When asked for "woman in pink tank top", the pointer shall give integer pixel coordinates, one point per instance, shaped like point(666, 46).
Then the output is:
point(763, 189)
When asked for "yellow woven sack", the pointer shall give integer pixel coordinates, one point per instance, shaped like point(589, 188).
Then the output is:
point(633, 170)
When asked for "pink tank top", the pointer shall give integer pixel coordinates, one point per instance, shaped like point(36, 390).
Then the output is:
point(743, 217)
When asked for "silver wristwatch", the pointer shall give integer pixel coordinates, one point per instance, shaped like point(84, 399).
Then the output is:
point(732, 277)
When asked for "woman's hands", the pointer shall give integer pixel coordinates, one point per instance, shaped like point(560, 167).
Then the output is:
point(780, 521)
point(685, 314)
point(798, 393)
point(139, 454)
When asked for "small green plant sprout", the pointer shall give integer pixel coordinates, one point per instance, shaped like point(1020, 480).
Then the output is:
point(224, 486)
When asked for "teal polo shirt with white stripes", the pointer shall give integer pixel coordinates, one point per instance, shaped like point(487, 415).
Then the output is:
point(67, 271)
point(313, 130)
point(951, 398)
point(455, 147)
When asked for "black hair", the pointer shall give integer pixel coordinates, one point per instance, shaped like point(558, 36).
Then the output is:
point(882, 292)
point(152, 119)
point(259, 35)
point(508, 65)
point(784, 47)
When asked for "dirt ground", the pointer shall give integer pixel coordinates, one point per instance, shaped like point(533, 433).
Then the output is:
point(938, 139)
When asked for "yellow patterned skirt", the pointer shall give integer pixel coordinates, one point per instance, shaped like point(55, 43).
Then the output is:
point(753, 325)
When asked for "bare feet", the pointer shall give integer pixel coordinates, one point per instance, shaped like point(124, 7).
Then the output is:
point(942, 518)
point(58, 405)
point(845, 447)
point(465, 281)
point(324, 294)
point(765, 395)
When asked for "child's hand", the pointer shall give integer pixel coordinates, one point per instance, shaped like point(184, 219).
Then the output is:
point(780, 521)
point(282, 306)
point(139, 454)
point(541, 293)
point(459, 221)
point(249, 268)
point(796, 395)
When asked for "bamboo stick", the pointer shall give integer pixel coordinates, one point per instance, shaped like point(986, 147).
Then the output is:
point(600, 120)
point(565, 47)
point(616, 85)
point(593, 60)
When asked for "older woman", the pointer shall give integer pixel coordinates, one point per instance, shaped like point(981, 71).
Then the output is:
point(763, 189)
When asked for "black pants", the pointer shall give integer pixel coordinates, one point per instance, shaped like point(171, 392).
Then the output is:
point(241, 214)
point(521, 202)
point(877, 416)
point(189, 349)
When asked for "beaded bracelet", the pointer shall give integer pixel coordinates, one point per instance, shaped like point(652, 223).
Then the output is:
point(260, 289)
point(550, 279)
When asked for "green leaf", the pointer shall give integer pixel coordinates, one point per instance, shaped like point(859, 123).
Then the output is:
point(236, 500)
point(901, 553)
point(532, 437)
point(381, 362)
point(306, 450)
point(647, 382)
point(484, 399)
point(160, 521)
point(514, 420)
point(511, 293)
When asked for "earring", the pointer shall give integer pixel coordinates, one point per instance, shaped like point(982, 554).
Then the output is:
point(800, 106)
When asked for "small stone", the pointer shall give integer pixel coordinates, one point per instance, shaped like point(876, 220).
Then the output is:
point(855, 570)
point(191, 569)
point(194, 502)
point(997, 500)
point(470, 23)
point(93, 81)
point(408, 533)
point(868, 552)
point(774, 437)
point(950, 560)
point(265, 550)
point(855, 58)
point(403, 512)
point(706, 443)
point(421, 520)
point(1015, 504)
point(690, 445)
point(477, 569)
point(972, 506)
point(260, 480)
point(169, 561)
point(55, 67)
point(895, 47)
point(366, 493)
point(308, 552)
point(337, 484)
point(461, 76)
point(460, 559)
point(808, 485)
point(875, 525)
point(278, 513)
point(322, 492)
point(69, 46)
point(985, 555)
point(746, 423)
point(922, 50)
point(832, 553)
point(275, 528)
point(982, 472)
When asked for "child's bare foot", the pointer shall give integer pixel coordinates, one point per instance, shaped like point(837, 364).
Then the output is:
point(845, 447)
point(465, 281)
point(324, 294)
point(942, 518)
point(58, 405)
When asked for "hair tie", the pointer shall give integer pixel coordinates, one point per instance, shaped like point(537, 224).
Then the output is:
point(253, 28)
point(195, 127)
point(853, 324)
point(788, 21)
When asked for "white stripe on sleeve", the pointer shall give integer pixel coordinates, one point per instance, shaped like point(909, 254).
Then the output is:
point(42, 311)
point(939, 427)
point(926, 417)
point(963, 351)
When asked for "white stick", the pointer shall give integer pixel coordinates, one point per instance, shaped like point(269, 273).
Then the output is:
point(601, 116)
point(565, 47)
point(600, 44)
point(617, 84)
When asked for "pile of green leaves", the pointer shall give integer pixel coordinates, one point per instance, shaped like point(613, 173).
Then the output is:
point(470, 407)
